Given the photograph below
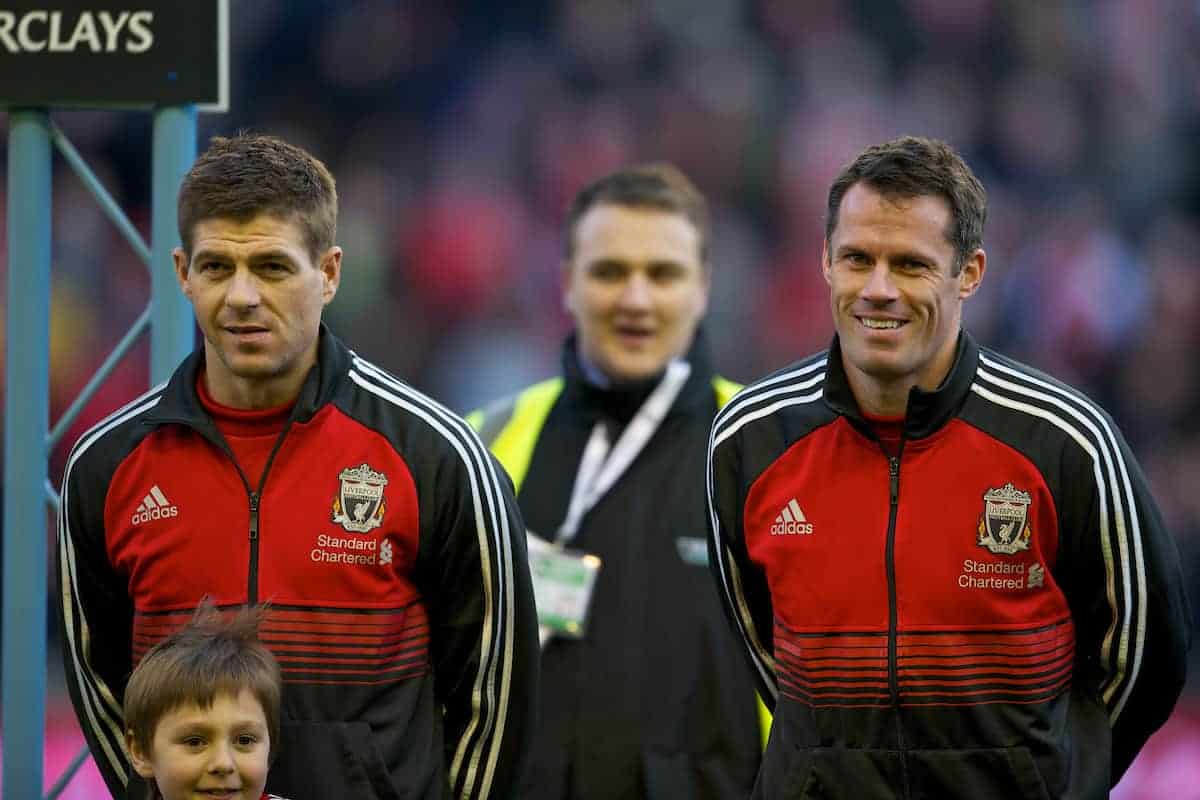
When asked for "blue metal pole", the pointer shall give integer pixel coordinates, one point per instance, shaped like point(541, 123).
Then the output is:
point(26, 414)
point(171, 323)
point(65, 779)
point(108, 205)
point(94, 383)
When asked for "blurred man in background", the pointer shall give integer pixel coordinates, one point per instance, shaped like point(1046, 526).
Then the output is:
point(946, 567)
point(276, 465)
point(644, 692)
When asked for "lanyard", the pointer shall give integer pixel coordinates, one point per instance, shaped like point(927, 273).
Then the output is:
point(603, 463)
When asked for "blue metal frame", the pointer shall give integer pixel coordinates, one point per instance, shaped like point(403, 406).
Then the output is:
point(107, 204)
point(171, 314)
point(26, 412)
point(27, 444)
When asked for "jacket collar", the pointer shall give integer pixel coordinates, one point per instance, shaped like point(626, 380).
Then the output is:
point(621, 401)
point(179, 403)
point(927, 411)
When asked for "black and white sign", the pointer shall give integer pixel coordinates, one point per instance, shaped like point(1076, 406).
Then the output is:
point(124, 54)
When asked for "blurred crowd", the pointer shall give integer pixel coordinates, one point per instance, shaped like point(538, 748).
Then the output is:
point(458, 131)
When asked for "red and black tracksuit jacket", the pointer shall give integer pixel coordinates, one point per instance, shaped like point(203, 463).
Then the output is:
point(995, 611)
point(388, 543)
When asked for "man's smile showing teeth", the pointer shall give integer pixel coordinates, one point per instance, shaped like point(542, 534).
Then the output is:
point(880, 324)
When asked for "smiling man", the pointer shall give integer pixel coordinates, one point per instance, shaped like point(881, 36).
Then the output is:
point(946, 567)
point(896, 289)
point(644, 692)
point(277, 465)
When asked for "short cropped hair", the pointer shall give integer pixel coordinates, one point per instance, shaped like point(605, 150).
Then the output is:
point(210, 655)
point(659, 186)
point(243, 176)
point(913, 166)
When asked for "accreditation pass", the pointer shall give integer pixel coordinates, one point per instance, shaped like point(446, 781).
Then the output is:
point(563, 581)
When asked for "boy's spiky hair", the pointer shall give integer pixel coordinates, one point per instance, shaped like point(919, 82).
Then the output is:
point(212, 654)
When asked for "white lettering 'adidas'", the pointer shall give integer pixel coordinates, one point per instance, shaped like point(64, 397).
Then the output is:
point(791, 521)
point(155, 505)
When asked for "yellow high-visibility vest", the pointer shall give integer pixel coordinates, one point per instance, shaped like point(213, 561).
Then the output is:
point(510, 429)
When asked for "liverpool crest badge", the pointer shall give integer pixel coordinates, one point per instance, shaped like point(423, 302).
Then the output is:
point(1004, 526)
point(359, 504)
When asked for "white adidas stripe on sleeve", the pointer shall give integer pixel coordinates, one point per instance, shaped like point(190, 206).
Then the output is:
point(493, 679)
point(1076, 416)
point(100, 709)
point(728, 422)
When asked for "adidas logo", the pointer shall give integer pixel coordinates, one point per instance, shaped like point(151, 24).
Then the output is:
point(155, 505)
point(791, 521)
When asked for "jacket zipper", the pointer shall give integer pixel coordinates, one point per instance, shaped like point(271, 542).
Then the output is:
point(893, 662)
point(255, 497)
point(252, 576)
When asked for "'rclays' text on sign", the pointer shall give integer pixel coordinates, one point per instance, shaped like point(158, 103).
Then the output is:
point(63, 32)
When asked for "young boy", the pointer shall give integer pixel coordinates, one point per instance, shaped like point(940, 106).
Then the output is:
point(202, 710)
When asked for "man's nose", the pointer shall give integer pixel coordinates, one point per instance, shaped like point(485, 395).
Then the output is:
point(880, 287)
point(636, 293)
point(243, 290)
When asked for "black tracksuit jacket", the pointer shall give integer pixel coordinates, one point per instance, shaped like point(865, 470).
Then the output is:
point(656, 701)
point(996, 612)
point(388, 543)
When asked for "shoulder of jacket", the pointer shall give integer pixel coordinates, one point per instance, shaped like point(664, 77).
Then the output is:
point(116, 434)
point(1017, 388)
point(804, 373)
point(794, 390)
point(386, 394)
point(510, 427)
point(402, 414)
point(997, 367)
point(725, 389)
point(528, 406)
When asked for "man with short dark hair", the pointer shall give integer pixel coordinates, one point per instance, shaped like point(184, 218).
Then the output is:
point(644, 694)
point(277, 465)
point(946, 567)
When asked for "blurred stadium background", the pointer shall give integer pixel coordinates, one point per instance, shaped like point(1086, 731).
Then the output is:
point(458, 130)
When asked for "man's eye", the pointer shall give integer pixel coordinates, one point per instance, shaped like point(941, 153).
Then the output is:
point(247, 740)
point(275, 267)
point(665, 273)
point(208, 267)
point(194, 742)
point(606, 272)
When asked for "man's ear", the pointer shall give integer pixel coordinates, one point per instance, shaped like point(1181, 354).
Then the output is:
point(139, 759)
point(331, 273)
point(566, 276)
point(826, 266)
point(971, 274)
point(181, 270)
point(706, 282)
